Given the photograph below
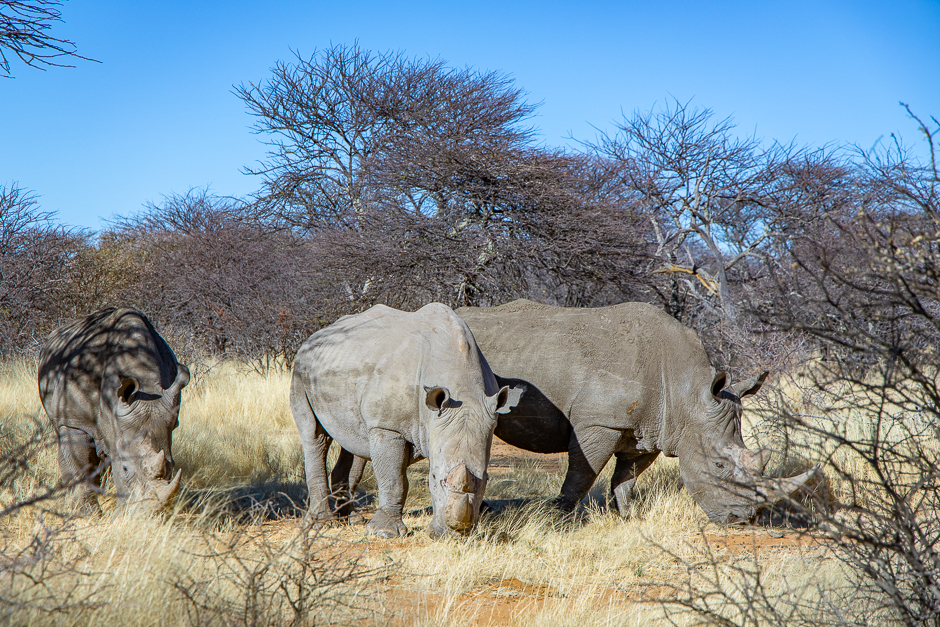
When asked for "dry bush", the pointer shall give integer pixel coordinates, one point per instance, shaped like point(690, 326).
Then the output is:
point(37, 259)
point(860, 281)
point(218, 283)
point(249, 579)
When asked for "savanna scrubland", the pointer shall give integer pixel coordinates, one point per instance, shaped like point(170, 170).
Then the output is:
point(403, 181)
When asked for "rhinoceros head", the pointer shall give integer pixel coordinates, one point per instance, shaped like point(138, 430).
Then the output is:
point(460, 434)
point(725, 477)
point(142, 415)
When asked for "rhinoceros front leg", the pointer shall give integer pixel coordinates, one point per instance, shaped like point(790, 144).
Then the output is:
point(390, 455)
point(625, 473)
point(589, 451)
point(79, 466)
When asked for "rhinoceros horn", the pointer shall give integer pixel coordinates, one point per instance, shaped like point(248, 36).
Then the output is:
point(156, 467)
point(776, 490)
point(166, 494)
point(460, 512)
point(754, 461)
point(460, 479)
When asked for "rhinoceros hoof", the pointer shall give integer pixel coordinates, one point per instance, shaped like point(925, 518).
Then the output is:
point(354, 518)
point(320, 521)
point(562, 505)
point(383, 525)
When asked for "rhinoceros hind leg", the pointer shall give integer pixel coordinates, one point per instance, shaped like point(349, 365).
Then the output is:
point(588, 453)
point(315, 442)
point(346, 475)
point(318, 500)
point(80, 467)
point(626, 471)
point(390, 454)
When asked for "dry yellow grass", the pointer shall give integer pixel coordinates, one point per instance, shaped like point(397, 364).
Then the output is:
point(524, 566)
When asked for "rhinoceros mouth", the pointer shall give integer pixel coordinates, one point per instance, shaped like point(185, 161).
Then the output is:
point(769, 492)
point(743, 502)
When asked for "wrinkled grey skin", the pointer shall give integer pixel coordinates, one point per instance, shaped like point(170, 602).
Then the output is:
point(627, 381)
point(396, 387)
point(111, 387)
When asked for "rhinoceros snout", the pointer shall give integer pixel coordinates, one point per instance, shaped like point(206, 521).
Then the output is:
point(463, 492)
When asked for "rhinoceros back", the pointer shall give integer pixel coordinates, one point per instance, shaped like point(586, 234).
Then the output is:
point(368, 370)
point(624, 365)
point(76, 357)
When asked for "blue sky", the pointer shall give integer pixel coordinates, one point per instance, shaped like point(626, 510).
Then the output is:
point(157, 115)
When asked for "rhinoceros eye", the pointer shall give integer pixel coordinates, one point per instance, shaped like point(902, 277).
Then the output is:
point(719, 465)
point(127, 390)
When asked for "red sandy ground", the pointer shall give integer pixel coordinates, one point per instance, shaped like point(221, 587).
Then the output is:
point(501, 602)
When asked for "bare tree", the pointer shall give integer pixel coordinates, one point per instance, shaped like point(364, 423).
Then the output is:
point(329, 115)
point(860, 278)
point(706, 193)
point(24, 32)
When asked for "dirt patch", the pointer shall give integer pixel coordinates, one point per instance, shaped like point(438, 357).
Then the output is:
point(495, 603)
point(406, 601)
point(503, 457)
point(762, 540)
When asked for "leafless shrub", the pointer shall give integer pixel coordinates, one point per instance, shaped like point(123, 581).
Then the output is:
point(251, 579)
point(218, 282)
point(715, 590)
point(862, 284)
point(45, 575)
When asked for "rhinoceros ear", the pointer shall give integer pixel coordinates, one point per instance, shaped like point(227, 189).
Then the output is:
point(747, 388)
point(718, 384)
point(506, 399)
point(182, 378)
point(436, 398)
point(127, 389)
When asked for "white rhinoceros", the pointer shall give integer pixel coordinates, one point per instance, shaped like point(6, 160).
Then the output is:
point(627, 381)
point(111, 387)
point(396, 387)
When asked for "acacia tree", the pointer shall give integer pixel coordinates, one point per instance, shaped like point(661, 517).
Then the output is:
point(416, 181)
point(327, 117)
